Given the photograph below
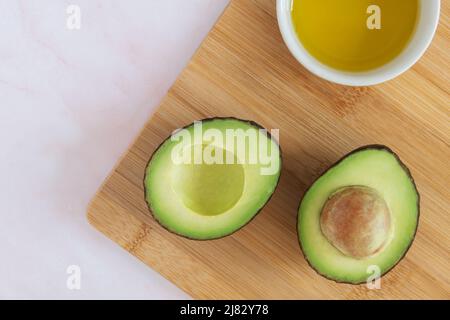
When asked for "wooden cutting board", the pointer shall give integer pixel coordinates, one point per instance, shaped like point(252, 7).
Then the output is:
point(243, 69)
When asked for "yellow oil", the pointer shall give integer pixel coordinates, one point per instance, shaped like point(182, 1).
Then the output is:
point(345, 35)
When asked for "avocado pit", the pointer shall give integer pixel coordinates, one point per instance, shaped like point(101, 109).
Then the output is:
point(356, 220)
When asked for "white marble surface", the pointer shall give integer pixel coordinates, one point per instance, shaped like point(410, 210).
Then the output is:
point(71, 101)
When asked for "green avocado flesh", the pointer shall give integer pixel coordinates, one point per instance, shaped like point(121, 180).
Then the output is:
point(209, 200)
point(375, 168)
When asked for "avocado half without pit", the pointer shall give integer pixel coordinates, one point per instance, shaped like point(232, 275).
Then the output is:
point(211, 178)
point(362, 212)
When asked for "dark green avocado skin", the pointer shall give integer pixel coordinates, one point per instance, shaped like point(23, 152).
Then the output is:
point(250, 122)
point(408, 172)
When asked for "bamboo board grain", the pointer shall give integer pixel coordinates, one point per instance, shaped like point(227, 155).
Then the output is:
point(244, 70)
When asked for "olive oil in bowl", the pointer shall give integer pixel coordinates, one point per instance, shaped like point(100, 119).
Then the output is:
point(355, 35)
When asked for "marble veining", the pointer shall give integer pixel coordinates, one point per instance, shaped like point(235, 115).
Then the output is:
point(71, 101)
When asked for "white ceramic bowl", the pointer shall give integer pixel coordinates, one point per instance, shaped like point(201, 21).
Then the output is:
point(425, 30)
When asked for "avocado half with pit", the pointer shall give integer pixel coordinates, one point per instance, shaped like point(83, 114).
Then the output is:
point(360, 216)
point(211, 178)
